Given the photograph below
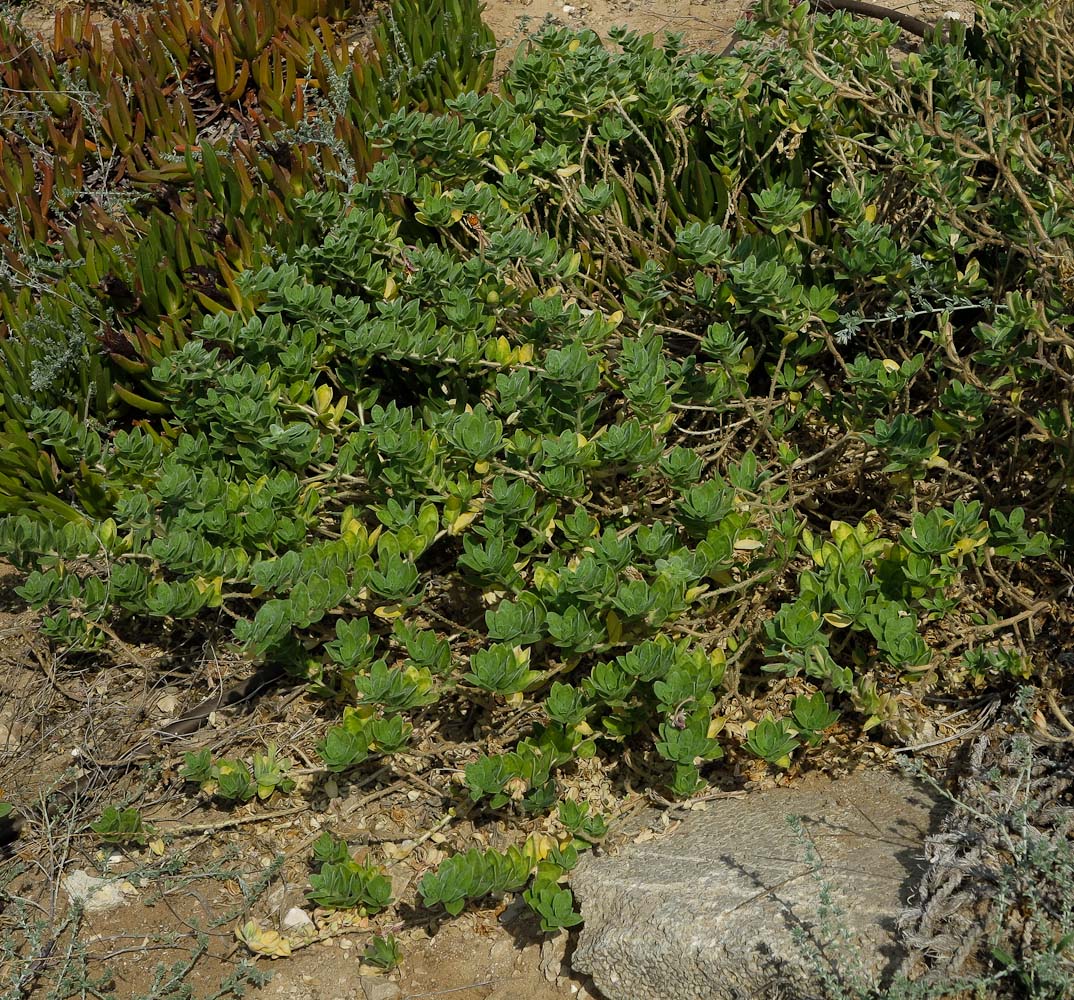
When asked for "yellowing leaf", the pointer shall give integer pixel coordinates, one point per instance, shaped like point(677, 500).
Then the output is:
point(544, 578)
point(568, 171)
point(870, 213)
point(539, 846)
point(841, 531)
point(964, 545)
point(389, 612)
point(214, 588)
point(360, 713)
point(459, 523)
point(837, 619)
point(614, 627)
point(263, 942)
point(322, 399)
point(107, 532)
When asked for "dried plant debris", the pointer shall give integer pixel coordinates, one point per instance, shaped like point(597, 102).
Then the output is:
point(1000, 882)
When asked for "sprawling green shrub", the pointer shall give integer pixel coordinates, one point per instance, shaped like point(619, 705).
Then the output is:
point(132, 189)
point(664, 372)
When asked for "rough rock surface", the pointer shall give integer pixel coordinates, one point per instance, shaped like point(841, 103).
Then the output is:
point(98, 894)
point(729, 905)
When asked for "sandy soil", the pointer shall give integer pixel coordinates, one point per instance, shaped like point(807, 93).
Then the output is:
point(706, 24)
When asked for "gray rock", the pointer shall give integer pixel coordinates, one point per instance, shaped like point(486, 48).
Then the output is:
point(728, 906)
point(98, 894)
point(553, 955)
point(297, 919)
point(376, 988)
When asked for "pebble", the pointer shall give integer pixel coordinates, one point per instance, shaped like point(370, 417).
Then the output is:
point(296, 919)
point(97, 894)
point(379, 988)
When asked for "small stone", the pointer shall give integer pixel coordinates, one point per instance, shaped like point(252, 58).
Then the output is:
point(167, 705)
point(296, 919)
point(379, 988)
point(97, 894)
point(553, 953)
